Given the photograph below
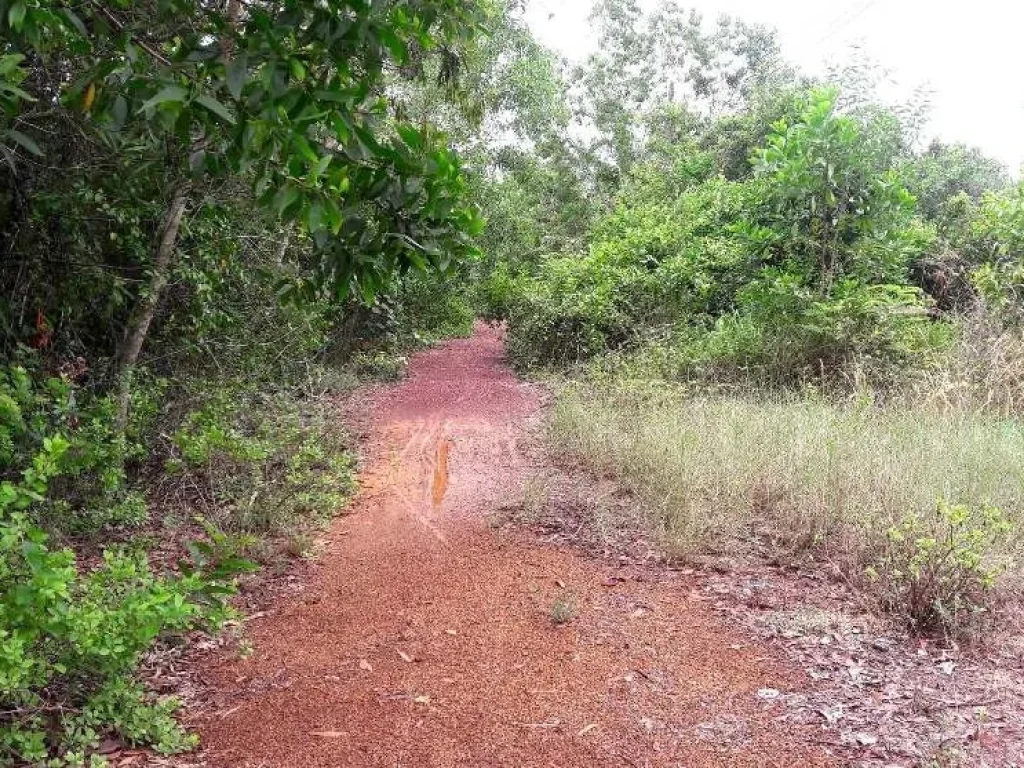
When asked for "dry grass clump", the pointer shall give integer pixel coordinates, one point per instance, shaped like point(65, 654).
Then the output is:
point(983, 371)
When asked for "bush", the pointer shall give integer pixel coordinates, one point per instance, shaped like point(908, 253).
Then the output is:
point(91, 490)
point(939, 573)
point(262, 465)
point(70, 641)
point(786, 334)
point(577, 308)
point(499, 292)
point(799, 272)
point(431, 310)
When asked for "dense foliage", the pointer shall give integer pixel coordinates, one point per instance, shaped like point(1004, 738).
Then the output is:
point(713, 224)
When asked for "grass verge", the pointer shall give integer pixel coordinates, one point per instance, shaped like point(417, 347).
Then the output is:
point(925, 507)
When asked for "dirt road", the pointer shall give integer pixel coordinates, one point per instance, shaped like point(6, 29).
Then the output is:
point(426, 639)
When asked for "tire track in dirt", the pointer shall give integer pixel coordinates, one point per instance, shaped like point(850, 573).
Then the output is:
point(425, 638)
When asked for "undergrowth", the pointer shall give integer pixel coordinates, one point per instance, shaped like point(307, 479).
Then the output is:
point(925, 501)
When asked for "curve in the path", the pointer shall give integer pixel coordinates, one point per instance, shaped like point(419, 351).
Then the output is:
point(425, 638)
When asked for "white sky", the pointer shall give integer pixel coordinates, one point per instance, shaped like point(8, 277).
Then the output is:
point(971, 55)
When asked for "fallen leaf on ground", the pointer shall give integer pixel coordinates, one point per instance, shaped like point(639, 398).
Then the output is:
point(586, 729)
point(328, 734)
point(406, 657)
point(365, 665)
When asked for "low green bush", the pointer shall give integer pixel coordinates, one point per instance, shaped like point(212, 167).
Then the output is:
point(431, 310)
point(938, 572)
point(91, 490)
point(262, 465)
point(72, 637)
point(497, 294)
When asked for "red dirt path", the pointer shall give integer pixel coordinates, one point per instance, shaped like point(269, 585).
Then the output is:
point(425, 638)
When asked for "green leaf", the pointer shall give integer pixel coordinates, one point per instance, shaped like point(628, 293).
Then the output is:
point(10, 62)
point(20, 138)
point(216, 108)
point(305, 149)
point(17, 92)
point(75, 22)
point(16, 16)
point(285, 198)
point(236, 75)
point(166, 94)
point(321, 166)
point(333, 214)
point(411, 136)
point(395, 45)
point(315, 216)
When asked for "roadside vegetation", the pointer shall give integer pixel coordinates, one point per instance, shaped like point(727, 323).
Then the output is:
point(788, 324)
point(782, 318)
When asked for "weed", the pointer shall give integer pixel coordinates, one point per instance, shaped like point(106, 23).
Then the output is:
point(803, 476)
point(299, 544)
point(938, 573)
point(563, 610)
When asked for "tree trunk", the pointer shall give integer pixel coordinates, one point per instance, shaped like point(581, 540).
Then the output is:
point(135, 334)
point(282, 246)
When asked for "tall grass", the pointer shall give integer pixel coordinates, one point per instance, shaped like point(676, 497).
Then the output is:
point(983, 371)
point(719, 473)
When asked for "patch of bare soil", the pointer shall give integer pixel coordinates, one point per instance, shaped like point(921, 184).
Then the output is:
point(428, 635)
point(878, 697)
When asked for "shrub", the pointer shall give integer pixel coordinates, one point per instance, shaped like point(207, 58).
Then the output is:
point(798, 272)
point(577, 308)
point(938, 573)
point(563, 610)
point(71, 640)
point(262, 465)
point(91, 490)
point(499, 292)
point(431, 310)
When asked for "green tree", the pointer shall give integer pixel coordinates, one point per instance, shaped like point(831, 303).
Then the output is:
point(289, 98)
point(944, 171)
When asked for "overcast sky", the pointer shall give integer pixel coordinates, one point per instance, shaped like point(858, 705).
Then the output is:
point(970, 54)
